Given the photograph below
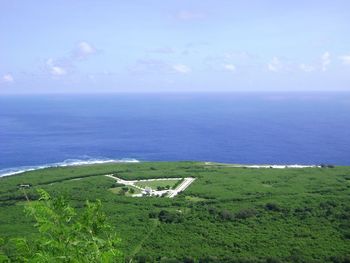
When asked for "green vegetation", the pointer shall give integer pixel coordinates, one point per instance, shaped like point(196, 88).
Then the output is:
point(65, 236)
point(227, 215)
point(125, 190)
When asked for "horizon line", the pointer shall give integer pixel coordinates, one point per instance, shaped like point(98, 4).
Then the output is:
point(179, 92)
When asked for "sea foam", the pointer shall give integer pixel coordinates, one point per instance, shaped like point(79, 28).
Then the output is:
point(69, 162)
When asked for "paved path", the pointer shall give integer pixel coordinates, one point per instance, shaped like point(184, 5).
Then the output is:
point(171, 192)
point(182, 187)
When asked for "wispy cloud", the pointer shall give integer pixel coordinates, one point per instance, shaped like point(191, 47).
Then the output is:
point(181, 68)
point(275, 65)
point(325, 61)
point(230, 61)
point(345, 59)
point(8, 78)
point(58, 71)
point(55, 68)
point(230, 67)
point(83, 50)
point(158, 66)
point(64, 65)
point(306, 68)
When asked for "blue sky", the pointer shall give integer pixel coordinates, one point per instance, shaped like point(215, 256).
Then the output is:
point(174, 46)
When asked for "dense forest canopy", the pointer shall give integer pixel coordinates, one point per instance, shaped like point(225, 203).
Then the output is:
point(228, 214)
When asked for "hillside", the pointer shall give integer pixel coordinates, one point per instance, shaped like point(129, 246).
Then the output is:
point(226, 213)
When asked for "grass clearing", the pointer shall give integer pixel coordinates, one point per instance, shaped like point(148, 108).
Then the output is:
point(125, 190)
point(169, 184)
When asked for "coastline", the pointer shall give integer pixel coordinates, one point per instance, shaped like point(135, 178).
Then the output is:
point(78, 162)
point(69, 162)
point(270, 166)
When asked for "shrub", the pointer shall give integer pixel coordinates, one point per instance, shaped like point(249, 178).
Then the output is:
point(66, 236)
point(212, 210)
point(153, 214)
point(272, 207)
point(246, 213)
point(209, 259)
point(143, 259)
point(226, 215)
point(169, 217)
point(188, 260)
point(340, 259)
point(272, 260)
point(169, 260)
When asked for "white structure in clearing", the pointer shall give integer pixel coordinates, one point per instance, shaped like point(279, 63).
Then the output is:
point(147, 191)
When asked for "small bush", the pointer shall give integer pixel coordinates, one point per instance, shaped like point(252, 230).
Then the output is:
point(165, 216)
point(226, 215)
point(246, 213)
point(66, 236)
point(272, 207)
point(153, 214)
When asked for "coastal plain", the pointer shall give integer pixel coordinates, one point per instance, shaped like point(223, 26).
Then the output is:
point(227, 214)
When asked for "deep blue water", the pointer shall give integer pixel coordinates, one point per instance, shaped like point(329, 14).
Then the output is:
point(237, 128)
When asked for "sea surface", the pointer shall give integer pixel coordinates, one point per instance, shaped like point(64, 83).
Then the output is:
point(246, 128)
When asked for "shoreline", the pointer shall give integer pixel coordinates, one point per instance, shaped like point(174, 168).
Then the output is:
point(266, 166)
point(70, 162)
point(77, 162)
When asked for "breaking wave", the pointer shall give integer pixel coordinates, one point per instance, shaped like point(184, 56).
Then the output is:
point(69, 162)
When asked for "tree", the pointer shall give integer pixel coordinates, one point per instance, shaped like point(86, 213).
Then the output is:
point(66, 236)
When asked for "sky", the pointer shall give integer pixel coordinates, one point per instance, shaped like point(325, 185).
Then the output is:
point(76, 46)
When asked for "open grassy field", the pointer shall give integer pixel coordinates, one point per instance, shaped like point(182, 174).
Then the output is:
point(227, 214)
point(156, 184)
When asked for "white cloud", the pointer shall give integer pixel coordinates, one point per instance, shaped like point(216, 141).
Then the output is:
point(55, 69)
point(345, 59)
point(306, 68)
point(8, 78)
point(325, 61)
point(181, 68)
point(83, 50)
point(230, 67)
point(189, 15)
point(275, 65)
point(58, 71)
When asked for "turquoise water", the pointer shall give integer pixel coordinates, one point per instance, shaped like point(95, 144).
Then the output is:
point(308, 128)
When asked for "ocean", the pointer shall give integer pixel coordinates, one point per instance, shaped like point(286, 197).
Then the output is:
point(245, 128)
